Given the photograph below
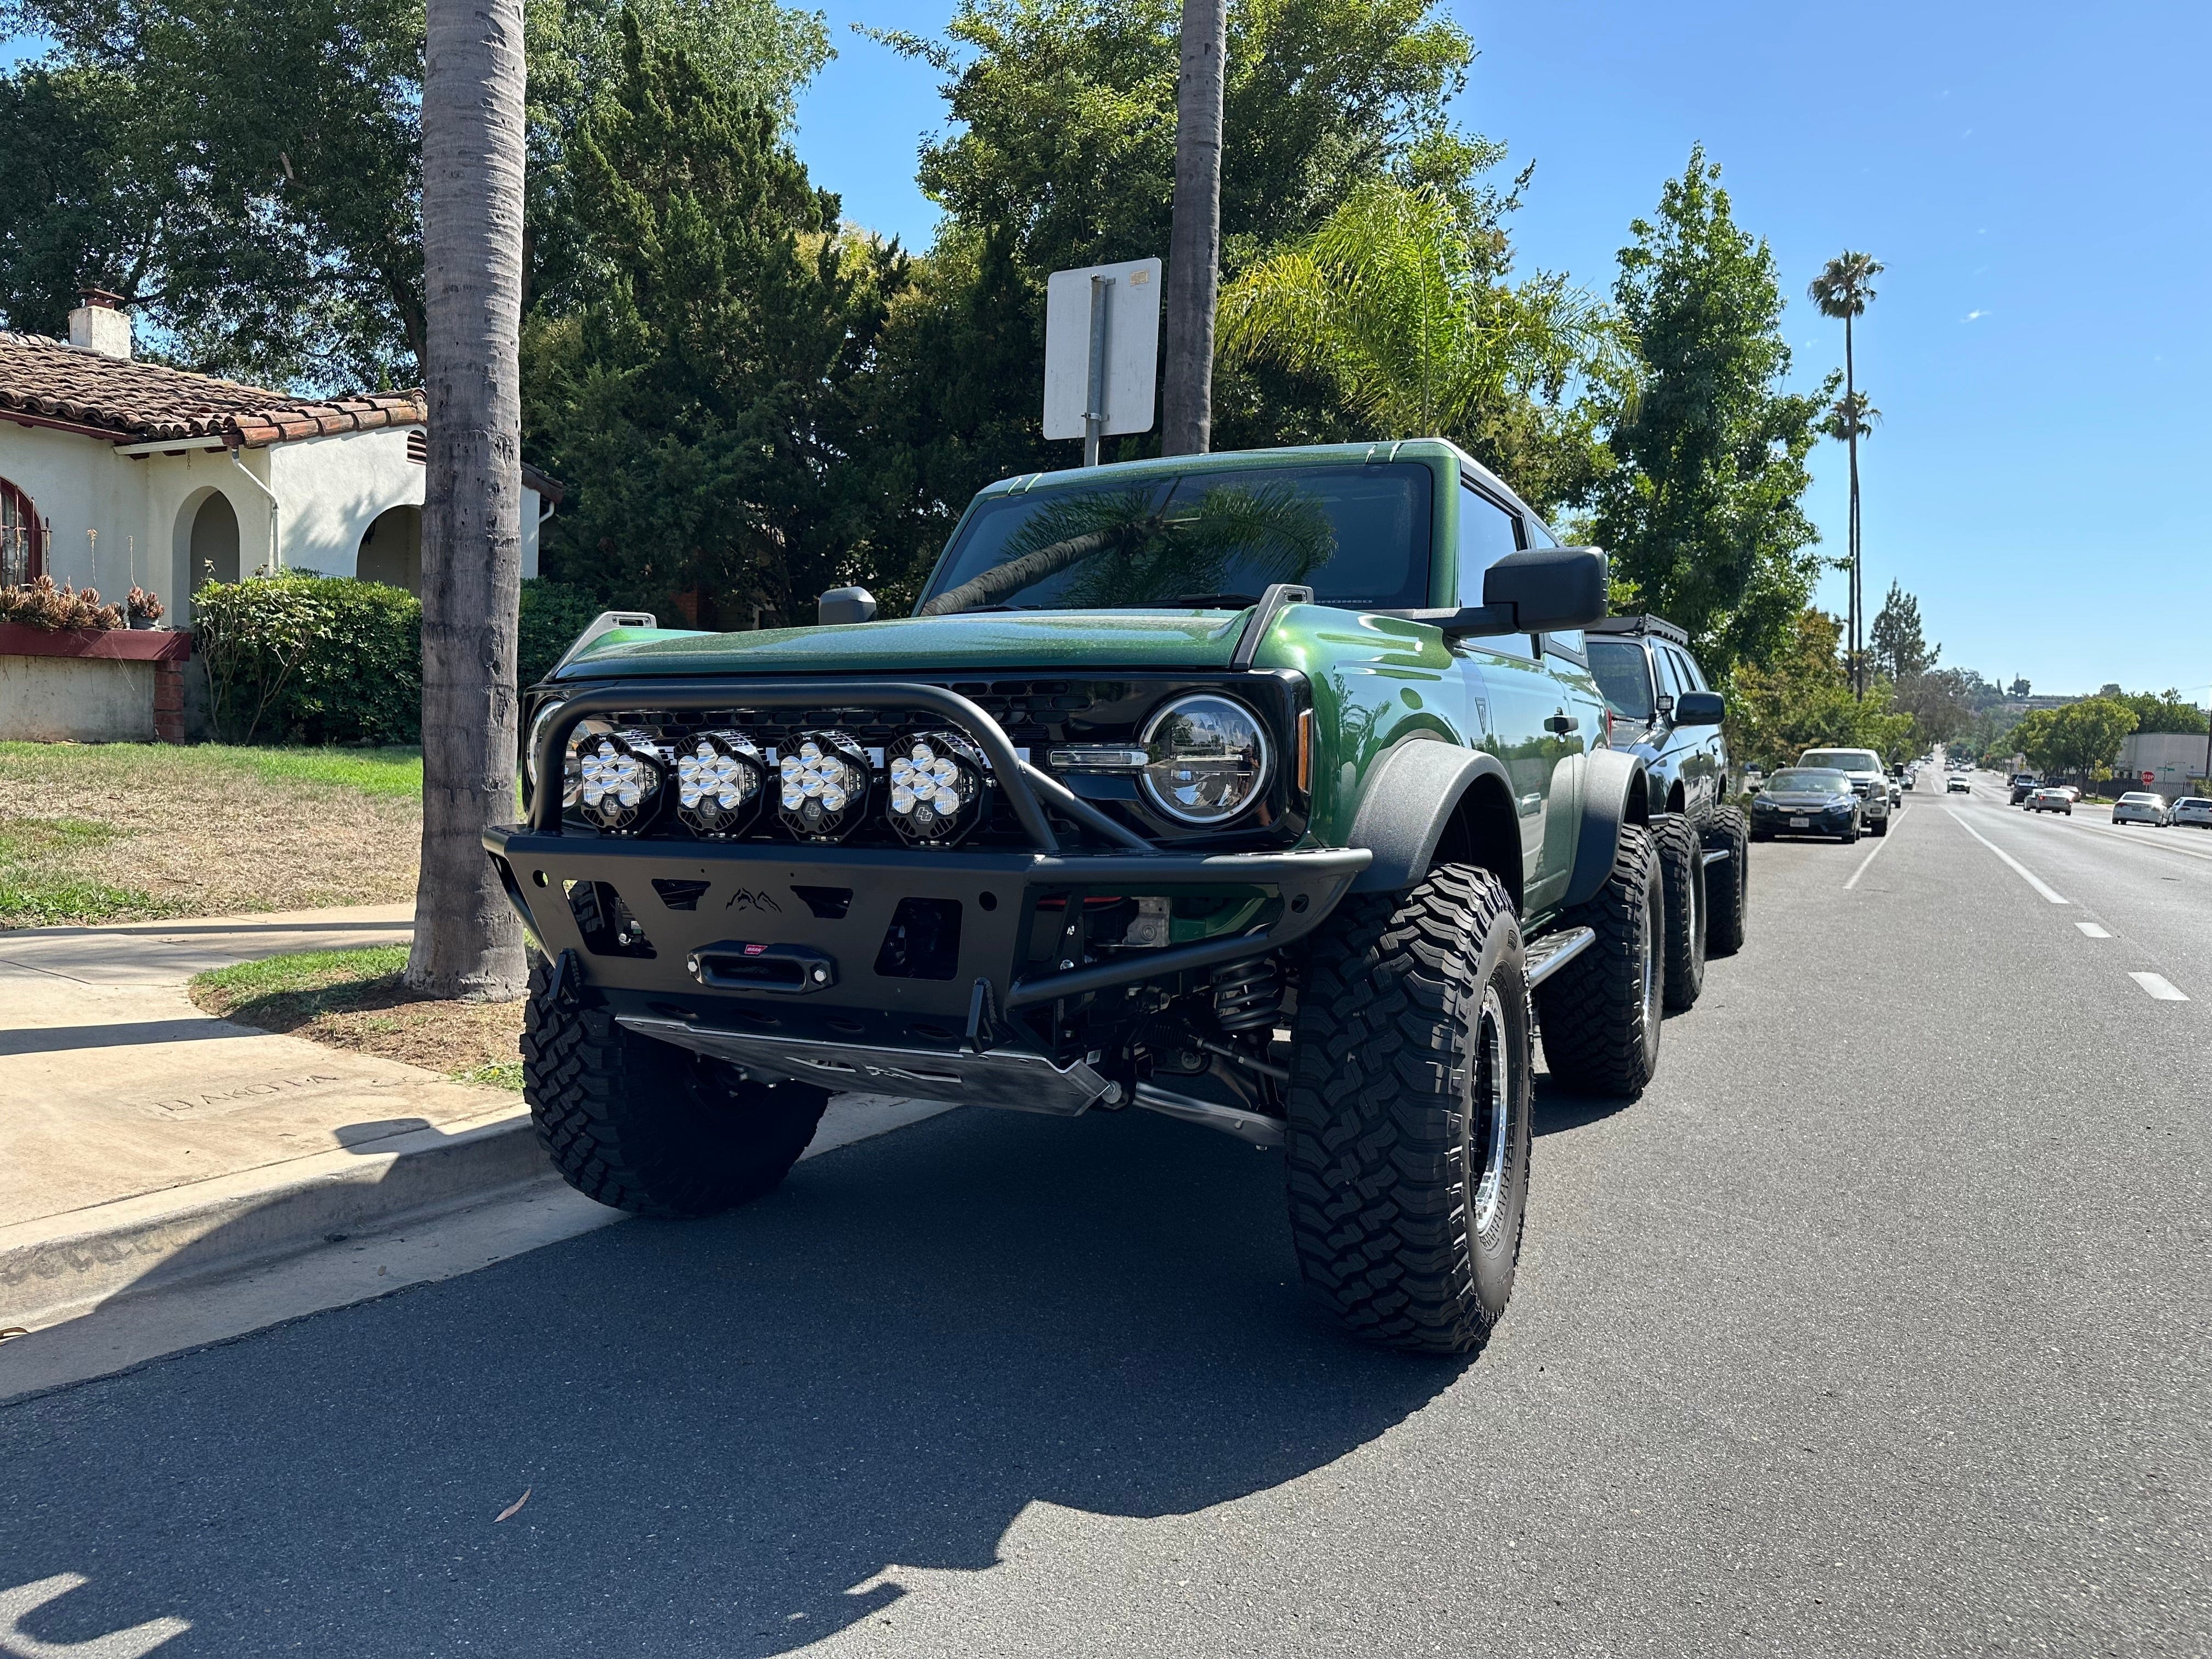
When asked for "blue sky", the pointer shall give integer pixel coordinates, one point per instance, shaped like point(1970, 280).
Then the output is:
point(2034, 176)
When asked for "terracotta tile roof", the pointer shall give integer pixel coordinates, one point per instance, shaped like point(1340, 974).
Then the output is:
point(131, 402)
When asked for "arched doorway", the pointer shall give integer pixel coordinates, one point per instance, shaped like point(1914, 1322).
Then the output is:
point(214, 552)
point(391, 549)
point(22, 544)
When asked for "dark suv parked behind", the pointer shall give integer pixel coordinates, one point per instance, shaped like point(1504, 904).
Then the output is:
point(1663, 711)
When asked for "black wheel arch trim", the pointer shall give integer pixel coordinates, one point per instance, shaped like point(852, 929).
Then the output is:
point(1410, 798)
point(1616, 790)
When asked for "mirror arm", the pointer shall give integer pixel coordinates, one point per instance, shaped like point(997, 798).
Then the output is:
point(1461, 621)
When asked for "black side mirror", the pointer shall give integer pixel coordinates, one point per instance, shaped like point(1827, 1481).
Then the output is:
point(1549, 587)
point(841, 605)
point(1699, 708)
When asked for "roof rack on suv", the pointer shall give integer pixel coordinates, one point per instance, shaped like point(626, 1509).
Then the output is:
point(1659, 625)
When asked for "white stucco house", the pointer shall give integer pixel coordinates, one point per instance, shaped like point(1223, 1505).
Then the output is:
point(114, 471)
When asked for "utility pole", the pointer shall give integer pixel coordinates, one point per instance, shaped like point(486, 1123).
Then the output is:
point(1194, 243)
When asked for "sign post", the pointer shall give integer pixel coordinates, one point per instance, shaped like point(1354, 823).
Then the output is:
point(1101, 343)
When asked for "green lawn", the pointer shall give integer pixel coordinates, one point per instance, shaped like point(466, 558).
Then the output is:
point(111, 832)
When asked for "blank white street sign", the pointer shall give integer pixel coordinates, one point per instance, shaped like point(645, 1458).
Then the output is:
point(1129, 295)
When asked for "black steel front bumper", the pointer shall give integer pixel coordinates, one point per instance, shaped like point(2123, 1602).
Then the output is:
point(823, 913)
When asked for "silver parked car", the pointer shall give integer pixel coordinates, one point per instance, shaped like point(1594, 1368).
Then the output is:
point(2051, 800)
point(2140, 806)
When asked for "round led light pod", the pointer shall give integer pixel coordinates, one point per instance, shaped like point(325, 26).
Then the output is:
point(720, 779)
point(622, 780)
point(937, 787)
point(822, 785)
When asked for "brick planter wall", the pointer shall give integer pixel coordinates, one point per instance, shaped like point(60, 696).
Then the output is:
point(106, 685)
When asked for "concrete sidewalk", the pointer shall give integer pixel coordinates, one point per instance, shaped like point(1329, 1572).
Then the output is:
point(169, 1179)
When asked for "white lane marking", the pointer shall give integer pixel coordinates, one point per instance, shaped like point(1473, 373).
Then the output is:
point(2018, 868)
point(1871, 857)
point(2160, 987)
point(132, 1643)
point(2092, 930)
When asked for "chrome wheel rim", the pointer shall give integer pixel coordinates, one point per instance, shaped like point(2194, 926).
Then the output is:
point(1651, 965)
point(1493, 1108)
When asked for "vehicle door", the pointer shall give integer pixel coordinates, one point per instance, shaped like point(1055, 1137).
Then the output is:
point(1522, 710)
point(1701, 746)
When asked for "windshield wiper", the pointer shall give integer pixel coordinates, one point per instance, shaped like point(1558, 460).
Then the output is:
point(1213, 601)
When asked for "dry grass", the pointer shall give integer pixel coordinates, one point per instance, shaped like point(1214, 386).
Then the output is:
point(109, 832)
point(354, 1000)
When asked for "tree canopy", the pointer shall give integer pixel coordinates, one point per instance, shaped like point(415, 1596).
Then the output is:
point(1703, 509)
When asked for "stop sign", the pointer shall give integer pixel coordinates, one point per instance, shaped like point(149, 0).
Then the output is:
point(2150, 777)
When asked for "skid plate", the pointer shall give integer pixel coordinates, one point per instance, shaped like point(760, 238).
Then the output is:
point(1001, 1077)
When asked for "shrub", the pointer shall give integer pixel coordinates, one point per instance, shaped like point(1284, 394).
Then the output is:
point(314, 660)
point(322, 659)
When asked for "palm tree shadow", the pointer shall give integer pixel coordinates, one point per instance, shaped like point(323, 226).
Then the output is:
point(736, 1431)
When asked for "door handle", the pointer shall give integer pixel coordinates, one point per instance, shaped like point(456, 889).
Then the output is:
point(1561, 724)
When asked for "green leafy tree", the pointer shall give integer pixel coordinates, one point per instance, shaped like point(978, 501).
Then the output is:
point(1941, 703)
point(1397, 299)
point(250, 178)
point(2163, 711)
point(709, 395)
point(1800, 698)
point(1703, 509)
point(1900, 648)
point(2082, 739)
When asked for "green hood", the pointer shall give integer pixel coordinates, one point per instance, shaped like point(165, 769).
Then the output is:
point(995, 640)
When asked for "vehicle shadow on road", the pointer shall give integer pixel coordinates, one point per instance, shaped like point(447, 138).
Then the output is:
point(1558, 1109)
point(727, 1428)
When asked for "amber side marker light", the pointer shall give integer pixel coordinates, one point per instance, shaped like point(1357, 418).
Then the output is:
point(1305, 751)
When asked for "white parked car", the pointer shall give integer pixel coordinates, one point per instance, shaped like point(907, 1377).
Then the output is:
point(2191, 808)
point(2140, 806)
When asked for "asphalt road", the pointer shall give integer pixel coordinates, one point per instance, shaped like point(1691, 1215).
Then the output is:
point(1878, 1326)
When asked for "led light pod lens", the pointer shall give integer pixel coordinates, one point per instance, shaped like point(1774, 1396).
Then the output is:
point(822, 785)
point(721, 778)
point(622, 781)
point(937, 787)
point(1210, 760)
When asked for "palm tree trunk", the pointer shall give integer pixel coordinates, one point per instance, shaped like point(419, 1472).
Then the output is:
point(1194, 245)
point(1858, 603)
point(467, 942)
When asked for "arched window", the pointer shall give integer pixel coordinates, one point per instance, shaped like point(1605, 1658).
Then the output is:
point(22, 549)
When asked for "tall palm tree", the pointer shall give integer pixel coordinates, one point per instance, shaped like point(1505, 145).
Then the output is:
point(1844, 288)
point(1194, 243)
point(466, 940)
point(1396, 301)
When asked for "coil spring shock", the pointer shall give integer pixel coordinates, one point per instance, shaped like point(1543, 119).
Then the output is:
point(1247, 995)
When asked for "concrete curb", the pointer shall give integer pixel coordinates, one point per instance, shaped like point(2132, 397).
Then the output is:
point(58, 1266)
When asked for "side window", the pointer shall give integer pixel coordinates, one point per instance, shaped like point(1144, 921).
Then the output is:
point(1538, 536)
point(1687, 668)
point(1485, 536)
point(1670, 669)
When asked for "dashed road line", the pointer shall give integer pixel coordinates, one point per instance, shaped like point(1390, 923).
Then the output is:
point(1880, 843)
point(2017, 866)
point(2092, 930)
point(2160, 988)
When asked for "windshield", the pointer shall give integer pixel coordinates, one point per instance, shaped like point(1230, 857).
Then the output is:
point(1622, 675)
point(1794, 783)
point(1843, 760)
point(1358, 535)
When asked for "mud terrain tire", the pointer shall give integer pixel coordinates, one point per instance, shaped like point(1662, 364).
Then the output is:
point(1600, 1014)
point(1727, 883)
point(646, 1126)
point(1407, 1139)
point(1682, 876)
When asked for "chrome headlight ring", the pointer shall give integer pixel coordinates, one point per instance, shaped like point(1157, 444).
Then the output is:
point(1211, 760)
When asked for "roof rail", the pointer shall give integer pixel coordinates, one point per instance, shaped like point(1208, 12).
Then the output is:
point(1659, 625)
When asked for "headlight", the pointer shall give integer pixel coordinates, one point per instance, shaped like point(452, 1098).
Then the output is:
point(719, 778)
point(620, 782)
point(824, 785)
point(1209, 759)
point(937, 786)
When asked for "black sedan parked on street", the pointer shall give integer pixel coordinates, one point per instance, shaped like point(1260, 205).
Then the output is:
point(1806, 800)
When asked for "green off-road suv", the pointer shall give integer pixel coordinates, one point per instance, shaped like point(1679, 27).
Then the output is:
point(1260, 790)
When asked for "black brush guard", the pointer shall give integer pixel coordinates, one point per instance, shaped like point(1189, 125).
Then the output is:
point(866, 1022)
